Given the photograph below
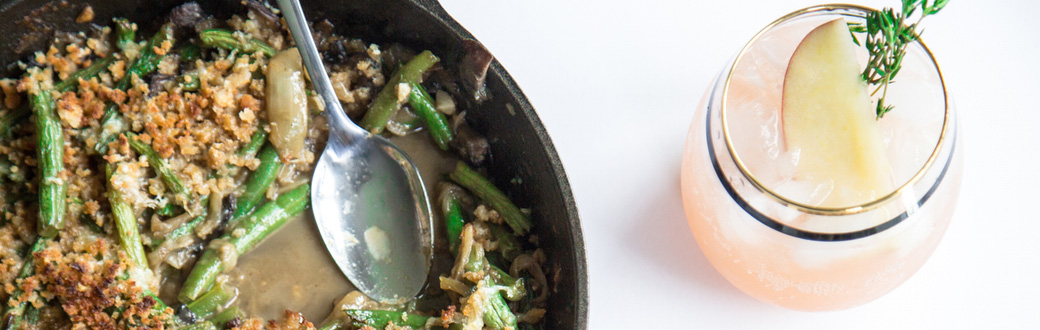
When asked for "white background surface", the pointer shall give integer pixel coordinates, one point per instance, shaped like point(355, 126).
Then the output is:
point(616, 83)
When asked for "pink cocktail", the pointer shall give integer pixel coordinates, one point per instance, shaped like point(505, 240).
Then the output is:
point(763, 227)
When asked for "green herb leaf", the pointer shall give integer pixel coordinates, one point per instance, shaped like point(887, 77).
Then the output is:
point(887, 36)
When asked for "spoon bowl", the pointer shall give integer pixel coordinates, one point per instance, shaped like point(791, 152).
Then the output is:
point(369, 202)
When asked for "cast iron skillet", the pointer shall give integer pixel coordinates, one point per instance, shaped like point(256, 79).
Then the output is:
point(523, 160)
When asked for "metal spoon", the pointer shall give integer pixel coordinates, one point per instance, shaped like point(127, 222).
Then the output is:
point(369, 202)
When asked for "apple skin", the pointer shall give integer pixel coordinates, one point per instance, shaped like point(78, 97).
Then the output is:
point(828, 119)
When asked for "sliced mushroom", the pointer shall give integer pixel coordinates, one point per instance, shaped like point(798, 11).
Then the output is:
point(187, 15)
point(473, 69)
point(262, 14)
point(472, 146)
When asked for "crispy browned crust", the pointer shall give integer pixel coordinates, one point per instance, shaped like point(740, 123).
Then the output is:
point(96, 294)
point(81, 282)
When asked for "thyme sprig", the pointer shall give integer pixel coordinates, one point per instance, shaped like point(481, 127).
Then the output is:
point(887, 37)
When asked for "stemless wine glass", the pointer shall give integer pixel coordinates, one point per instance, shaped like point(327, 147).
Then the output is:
point(788, 251)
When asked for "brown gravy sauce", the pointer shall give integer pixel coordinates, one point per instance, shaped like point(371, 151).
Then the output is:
point(292, 270)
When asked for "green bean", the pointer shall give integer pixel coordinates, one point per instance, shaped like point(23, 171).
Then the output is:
point(210, 303)
point(515, 287)
point(111, 125)
point(22, 316)
point(86, 220)
point(202, 276)
point(436, 122)
point(147, 62)
point(12, 118)
point(189, 53)
point(508, 245)
point(480, 186)
point(23, 312)
point(497, 314)
point(172, 181)
point(72, 81)
point(125, 33)
point(245, 234)
point(20, 114)
point(476, 261)
point(126, 223)
point(50, 151)
point(451, 208)
point(255, 142)
point(258, 183)
point(381, 319)
point(225, 39)
point(225, 316)
point(166, 211)
point(385, 104)
point(185, 229)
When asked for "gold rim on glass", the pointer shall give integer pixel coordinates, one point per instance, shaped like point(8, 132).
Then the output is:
point(828, 210)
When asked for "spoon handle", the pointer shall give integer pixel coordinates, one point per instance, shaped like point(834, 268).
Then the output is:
point(293, 13)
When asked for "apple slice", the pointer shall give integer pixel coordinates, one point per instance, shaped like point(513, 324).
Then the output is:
point(827, 115)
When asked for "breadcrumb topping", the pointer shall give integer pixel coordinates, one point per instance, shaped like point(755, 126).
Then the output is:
point(82, 279)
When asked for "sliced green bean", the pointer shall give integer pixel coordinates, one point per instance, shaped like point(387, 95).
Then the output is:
point(476, 261)
point(147, 62)
point(225, 316)
point(515, 287)
point(225, 39)
point(125, 33)
point(20, 114)
point(385, 104)
point(50, 151)
point(189, 53)
point(250, 150)
point(185, 229)
point(72, 81)
point(381, 319)
point(13, 118)
point(255, 141)
point(22, 313)
point(497, 314)
point(451, 208)
point(486, 191)
point(212, 302)
point(436, 122)
point(172, 181)
point(258, 183)
point(243, 236)
point(126, 223)
point(166, 211)
point(508, 245)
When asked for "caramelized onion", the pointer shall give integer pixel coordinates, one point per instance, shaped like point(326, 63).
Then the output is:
point(287, 104)
point(528, 263)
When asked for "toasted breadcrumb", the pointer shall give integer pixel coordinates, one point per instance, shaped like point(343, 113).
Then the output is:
point(86, 15)
point(81, 277)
